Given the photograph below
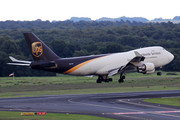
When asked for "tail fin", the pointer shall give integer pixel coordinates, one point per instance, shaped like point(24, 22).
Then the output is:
point(38, 49)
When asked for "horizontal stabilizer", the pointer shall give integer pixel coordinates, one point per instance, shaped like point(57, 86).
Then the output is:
point(18, 64)
point(20, 61)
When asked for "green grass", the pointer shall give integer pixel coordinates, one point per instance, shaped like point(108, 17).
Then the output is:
point(85, 91)
point(49, 116)
point(63, 84)
point(165, 101)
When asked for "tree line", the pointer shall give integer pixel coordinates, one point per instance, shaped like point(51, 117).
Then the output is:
point(68, 24)
point(87, 39)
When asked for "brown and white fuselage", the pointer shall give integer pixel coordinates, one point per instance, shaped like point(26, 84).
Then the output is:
point(143, 60)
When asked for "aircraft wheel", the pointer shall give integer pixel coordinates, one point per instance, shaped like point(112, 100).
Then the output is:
point(107, 80)
point(98, 81)
point(121, 80)
point(110, 79)
point(123, 77)
point(159, 73)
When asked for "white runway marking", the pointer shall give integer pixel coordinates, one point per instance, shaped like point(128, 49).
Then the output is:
point(155, 112)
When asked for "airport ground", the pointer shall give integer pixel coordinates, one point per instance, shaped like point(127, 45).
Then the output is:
point(62, 84)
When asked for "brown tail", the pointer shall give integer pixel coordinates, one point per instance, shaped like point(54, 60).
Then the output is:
point(39, 50)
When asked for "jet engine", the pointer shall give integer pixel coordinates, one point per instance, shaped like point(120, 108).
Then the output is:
point(146, 68)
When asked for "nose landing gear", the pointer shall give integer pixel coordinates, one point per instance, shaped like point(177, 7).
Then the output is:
point(159, 73)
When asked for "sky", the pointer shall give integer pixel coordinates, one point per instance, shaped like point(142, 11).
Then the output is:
point(61, 10)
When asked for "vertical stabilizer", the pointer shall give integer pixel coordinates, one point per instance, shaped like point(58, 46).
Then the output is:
point(38, 49)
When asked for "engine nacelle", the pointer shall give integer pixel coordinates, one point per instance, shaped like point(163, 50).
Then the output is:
point(146, 68)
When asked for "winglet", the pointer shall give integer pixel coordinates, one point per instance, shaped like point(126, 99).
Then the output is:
point(137, 54)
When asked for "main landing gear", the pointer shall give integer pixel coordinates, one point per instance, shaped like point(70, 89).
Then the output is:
point(122, 77)
point(103, 79)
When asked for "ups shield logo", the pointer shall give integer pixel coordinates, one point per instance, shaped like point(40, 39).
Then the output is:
point(37, 49)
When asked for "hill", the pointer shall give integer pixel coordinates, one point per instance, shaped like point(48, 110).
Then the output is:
point(176, 19)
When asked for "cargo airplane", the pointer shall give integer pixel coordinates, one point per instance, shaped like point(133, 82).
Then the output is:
point(143, 60)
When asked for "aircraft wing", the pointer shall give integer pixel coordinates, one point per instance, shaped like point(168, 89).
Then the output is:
point(138, 58)
point(19, 62)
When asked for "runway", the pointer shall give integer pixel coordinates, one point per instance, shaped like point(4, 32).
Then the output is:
point(124, 106)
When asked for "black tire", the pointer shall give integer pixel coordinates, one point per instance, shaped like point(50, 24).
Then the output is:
point(106, 80)
point(98, 81)
point(159, 73)
point(121, 80)
point(110, 79)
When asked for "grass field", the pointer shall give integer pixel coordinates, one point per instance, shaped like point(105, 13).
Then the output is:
point(4, 115)
point(63, 84)
point(166, 101)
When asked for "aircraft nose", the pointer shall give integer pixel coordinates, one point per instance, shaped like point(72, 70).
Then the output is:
point(171, 57)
